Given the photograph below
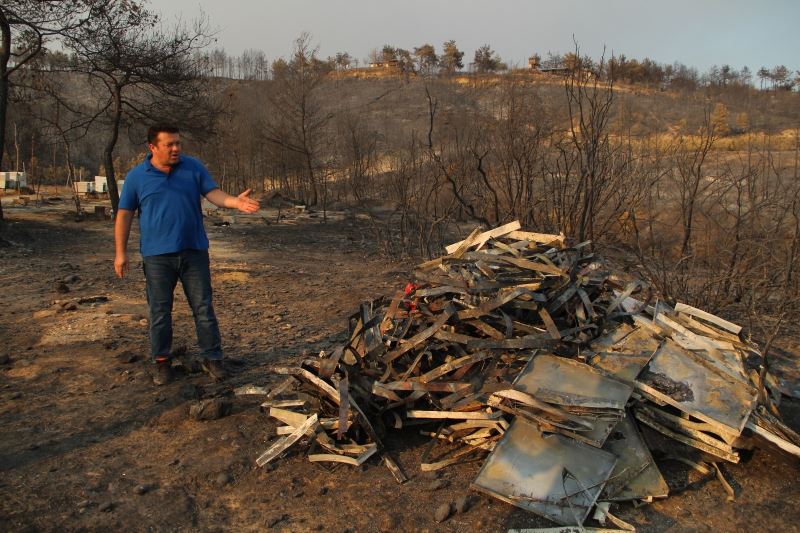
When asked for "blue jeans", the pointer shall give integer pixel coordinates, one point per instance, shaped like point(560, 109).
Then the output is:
point(162, 273)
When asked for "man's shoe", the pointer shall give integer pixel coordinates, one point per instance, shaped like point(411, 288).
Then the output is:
point(214, 368)
point(163, 372)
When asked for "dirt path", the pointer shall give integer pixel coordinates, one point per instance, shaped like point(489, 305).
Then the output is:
point(88, 443)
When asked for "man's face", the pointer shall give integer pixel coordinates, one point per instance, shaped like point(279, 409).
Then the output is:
point(166, 149)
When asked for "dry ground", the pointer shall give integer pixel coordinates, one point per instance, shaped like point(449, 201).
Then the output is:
point(82, 428)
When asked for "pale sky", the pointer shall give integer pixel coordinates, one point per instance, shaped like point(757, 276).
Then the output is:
point(698, 33)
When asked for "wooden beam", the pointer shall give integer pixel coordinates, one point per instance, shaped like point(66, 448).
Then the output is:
point(417, 339)
point(454, 415)
point(717, 321)
point(527, 264)
point(446, 368)
point(279, 447)
point(308, 377)
point(541, 238)
point(485, 236)
point(290, 418)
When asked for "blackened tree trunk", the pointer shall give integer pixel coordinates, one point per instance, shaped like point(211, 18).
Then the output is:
point(108, 152)
point(5, 55)
point(31, 22)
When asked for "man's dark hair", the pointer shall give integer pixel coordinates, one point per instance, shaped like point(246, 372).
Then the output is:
point(152, 133)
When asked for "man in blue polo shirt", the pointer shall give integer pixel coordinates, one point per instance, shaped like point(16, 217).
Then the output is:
point(166, 189)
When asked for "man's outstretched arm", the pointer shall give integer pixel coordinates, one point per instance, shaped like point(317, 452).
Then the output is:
point(122, 230)
point(243, 202)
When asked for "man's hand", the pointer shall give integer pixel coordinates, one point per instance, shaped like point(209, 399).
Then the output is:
point(122, 229)
point(243, 202)
point(121, 264)
point(246, 204)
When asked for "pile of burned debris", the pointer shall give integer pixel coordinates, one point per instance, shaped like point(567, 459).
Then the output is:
point(535, 354)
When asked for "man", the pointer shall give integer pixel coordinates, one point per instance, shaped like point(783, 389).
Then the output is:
point(166, 189)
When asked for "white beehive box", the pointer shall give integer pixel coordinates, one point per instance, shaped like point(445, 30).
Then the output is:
point(85, 186)
point(120, 183)
point(100, 184)
point(10, 180)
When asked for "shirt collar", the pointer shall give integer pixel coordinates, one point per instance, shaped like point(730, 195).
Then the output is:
point(149, 163)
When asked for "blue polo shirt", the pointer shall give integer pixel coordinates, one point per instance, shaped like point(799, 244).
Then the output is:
point(170, 217)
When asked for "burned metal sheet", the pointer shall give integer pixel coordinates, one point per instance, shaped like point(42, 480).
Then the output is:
point(612, 337)
point(636, 476)
point(720, 354)
point(582, 390)
point(602, 428)
point(548, 474)
point(571, 383)
point(623, 366)
point(639, 340)
point(682, 379)
point(625, 358)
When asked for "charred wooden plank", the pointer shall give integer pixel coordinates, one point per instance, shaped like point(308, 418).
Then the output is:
point(310, 378)
point(518, 343)
point(290, 418)
point(485, 236)
point(427, 387)
point(446, 368)
point(487, 307)
point(454, 415)
point(279, 447)
point(552, 329)
point(532, 265)
point(464, 245)
point(717, 321)
point(281, 387)
point(713, 450)
point(454, 458)
point(281, 404)
point(391, 312)
point(394, 468)
point(328, 365)
point(420, 337)
point(354, 461)
point(565, 296)
point(541, 238)
point(483, 327)
point(344, 406)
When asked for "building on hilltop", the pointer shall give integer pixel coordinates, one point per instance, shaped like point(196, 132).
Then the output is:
point(391, 64)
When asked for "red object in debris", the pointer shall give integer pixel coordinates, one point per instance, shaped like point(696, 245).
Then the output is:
point(409, 288)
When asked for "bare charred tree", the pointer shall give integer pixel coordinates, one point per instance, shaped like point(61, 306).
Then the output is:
point(519, 150)
point(423, 204)
point(236, 151)
point(25, 27)
point(589, 153)
point(740, 213)
point(458, 156)
point(140, 70)
point(359, 149)
point(60, 114)
point(409, 203)
point(690, 163)
point(297, 123)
